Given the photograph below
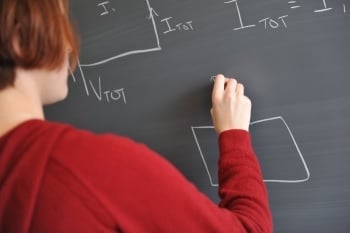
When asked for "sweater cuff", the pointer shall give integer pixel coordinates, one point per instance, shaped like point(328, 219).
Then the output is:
point(235, 139)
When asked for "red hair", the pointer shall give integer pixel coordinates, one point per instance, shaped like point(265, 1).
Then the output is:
point(34, 34)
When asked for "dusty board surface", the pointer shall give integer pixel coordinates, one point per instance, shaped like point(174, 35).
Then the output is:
point(145, 70)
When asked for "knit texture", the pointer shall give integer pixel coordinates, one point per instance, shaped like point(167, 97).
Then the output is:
point(59, 179)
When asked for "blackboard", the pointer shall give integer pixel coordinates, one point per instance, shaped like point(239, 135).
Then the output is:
point(146, 68)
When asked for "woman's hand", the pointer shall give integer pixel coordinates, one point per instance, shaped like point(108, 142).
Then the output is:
point(231, 108)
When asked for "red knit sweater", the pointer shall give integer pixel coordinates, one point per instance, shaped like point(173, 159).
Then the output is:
point(57, 179)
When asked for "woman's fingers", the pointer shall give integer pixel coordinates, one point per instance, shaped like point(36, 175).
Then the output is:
point(219, 87)
point(231, 108)
point(240, 89)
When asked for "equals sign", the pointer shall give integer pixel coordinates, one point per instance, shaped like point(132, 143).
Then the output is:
point(293, 4)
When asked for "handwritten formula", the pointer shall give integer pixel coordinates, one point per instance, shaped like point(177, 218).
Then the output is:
point(105, 7)
point(278, 22)
point(99, 91)
point(169, 24)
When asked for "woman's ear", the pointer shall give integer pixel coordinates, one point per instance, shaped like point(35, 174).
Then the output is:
point(63, 9)
point(16, 44)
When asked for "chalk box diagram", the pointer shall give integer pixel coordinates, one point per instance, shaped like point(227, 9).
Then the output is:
point(279, 155)
point(113, 29)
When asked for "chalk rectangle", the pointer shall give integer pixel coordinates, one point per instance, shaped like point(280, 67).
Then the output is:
point(277, 150)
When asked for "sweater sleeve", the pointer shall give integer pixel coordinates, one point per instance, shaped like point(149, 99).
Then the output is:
point(241, 185)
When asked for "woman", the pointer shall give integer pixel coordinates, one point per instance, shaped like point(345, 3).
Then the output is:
point(56, 178)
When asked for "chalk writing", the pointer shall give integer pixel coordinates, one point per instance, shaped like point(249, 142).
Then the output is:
point(106, 8)
point(185, 26)
point(108, 95)
point(172, 27)
point(325, 8)
point(242, 25)
point(268, 22)
point(273, 23)
point(116, 95)
point(293, 5)
point(277, 22)
point(212, 79)
point(111, 95)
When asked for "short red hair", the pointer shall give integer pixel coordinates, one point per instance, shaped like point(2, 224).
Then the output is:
point(43, 32)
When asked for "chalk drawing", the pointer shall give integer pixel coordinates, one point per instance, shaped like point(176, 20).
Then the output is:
point(325, 8)
point(242, 25)
point(146, 50)
point(293, 5)
point(295, 145)
point(151, 16)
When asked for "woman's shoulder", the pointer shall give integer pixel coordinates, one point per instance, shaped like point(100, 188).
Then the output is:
point(64, 135)
point(75, 142)
point(74, 137)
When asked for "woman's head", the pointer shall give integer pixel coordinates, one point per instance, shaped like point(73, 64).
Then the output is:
point(34, 34)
